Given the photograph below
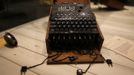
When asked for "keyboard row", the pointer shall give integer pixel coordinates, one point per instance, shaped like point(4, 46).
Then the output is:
point(73, 30)
point(72, 37)
point(75, 22)
point(73, 26)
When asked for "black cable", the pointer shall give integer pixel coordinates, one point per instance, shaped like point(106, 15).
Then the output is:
point(25, 68)
point(80, 71)
point(60, 59)
point(90, 63)
point(71, 59)
point(42, 62)
point(58, 55)
point(37, 64)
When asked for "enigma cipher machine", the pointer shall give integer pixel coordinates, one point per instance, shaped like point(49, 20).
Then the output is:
point(73, 33)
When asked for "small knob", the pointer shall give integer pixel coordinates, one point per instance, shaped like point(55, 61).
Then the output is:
point(11, 40)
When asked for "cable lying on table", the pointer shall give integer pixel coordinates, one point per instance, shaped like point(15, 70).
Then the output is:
point(81, 72)
point(25, 68)
point(70, 58)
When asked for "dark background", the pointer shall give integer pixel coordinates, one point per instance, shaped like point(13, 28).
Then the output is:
point(17, 12)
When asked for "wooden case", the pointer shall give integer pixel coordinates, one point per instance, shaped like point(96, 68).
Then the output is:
point(86, 58)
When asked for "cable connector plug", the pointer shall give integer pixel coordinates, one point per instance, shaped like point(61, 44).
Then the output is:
point(109, 62)
point(80, 72)
point(24, 70)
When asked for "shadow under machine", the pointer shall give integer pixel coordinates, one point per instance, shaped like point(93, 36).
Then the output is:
point(73, 33)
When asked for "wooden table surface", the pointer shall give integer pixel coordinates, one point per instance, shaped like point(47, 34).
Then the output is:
point(32, 47)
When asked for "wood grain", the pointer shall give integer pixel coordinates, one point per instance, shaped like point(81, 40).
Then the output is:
point(32, 48)
point(9, 68)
